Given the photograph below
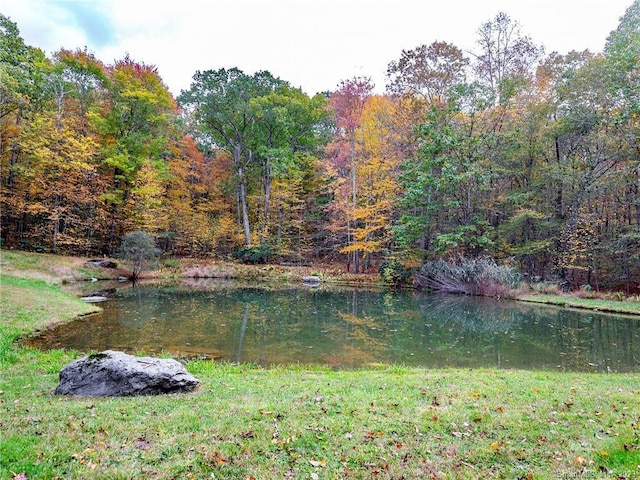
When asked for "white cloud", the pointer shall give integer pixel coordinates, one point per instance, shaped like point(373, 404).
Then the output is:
point(311, 43)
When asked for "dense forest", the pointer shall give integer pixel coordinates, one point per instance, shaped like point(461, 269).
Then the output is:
point(527, 157)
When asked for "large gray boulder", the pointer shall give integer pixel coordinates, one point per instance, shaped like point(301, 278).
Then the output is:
point(112, 373)
point(101, 263)
point(311, 280)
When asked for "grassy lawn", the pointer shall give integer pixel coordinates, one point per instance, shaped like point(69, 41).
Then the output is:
point(306, 422)
point(611, 306)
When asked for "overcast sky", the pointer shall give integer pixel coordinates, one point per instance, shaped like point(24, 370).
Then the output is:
point(313, 44)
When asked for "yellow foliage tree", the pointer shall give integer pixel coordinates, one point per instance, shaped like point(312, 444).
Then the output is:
point(376, 163)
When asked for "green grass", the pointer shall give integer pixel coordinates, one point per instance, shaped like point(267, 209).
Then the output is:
point(53, 269)
point(587, 303)
point(29, 305)
point(307, 422)
point(395, 422)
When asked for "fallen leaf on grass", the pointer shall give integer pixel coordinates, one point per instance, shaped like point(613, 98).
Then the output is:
point(521, 454)
point(495, 446)
point(20, 476)
point(317, 429)
point(318, 463)
point(579, 460)
point(371, 435)
point(142, 443)
point(216, 458)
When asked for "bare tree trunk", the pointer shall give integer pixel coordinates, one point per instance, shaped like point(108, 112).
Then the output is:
point(56, 229)
point(242, 192)
point(243, 204)
point(558, 200)
point(280, 226)
point(267, 199)
point(354, 198)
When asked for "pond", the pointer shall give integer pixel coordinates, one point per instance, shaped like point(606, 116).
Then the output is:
point(348, 328)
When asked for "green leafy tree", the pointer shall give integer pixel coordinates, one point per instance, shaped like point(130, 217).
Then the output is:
point(220, 107)
point(22, 90)
point(85, 79)
point(265, 125)
point(16, 65)
point(137, 128)
point(139, 250)
point(289, 125)
point(445, 184)
point(623, 65)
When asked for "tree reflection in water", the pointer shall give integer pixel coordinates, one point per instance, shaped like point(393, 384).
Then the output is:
point(346, 328)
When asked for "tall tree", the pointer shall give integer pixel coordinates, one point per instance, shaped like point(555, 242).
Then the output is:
point(447, 184)
point(621, 51)
point(587, 152)
point(85, 79)
point(506, 57)
point(427, 71)
point(219, 103)
point(288, 124)
point(266, 126)
point(135, 127)
point(622, 66)
point(18, 68)
point(22, 77)
point(348, 103)
point(377, 182)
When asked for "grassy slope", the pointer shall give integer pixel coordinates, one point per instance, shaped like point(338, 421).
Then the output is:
point(28, 305)
point(53, 269)
point(611, 306)
point(247, 422)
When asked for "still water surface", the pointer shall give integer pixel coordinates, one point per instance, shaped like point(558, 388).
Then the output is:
point(353, 328)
